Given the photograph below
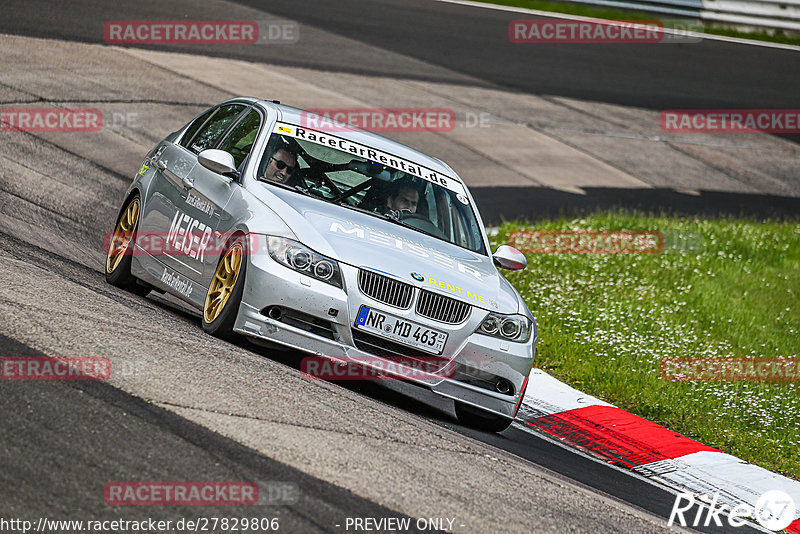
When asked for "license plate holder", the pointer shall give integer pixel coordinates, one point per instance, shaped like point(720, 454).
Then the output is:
point(400, 330)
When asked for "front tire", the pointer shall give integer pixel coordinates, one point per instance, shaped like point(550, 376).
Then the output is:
point(120, 250)
point(480, 419)
point(225, 292)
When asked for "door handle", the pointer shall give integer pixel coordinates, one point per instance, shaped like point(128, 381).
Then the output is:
point(188, 183)
point(161, 165)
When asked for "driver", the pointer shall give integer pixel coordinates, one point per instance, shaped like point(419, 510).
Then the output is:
point(281, 165)
point(403, 196)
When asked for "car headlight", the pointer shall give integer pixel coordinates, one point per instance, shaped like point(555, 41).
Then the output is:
point(510, 327)
point(304, 260)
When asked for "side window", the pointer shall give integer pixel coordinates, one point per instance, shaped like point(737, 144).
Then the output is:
point(240, 140)
point(213, 129)
point(196, 124)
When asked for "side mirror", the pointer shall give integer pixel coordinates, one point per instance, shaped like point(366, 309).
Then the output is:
point(508, 257)
point(218, 161)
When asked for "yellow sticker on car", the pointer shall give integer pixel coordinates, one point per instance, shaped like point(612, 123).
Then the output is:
point(456, 289)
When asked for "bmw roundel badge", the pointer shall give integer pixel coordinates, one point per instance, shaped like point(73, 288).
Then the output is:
point(418, 277)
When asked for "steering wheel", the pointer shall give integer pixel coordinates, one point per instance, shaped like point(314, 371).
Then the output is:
point(420, 222)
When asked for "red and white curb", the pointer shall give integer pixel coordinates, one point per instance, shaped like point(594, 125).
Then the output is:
point(653, 451)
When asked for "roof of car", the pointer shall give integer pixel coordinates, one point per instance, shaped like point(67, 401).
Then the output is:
point(294, 115)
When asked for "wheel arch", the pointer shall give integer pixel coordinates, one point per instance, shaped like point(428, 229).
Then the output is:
point(132, 193)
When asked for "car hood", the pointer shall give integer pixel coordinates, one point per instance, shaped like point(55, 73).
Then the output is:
point(369, 242)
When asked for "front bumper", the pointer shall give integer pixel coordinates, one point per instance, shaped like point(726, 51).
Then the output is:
point(325, 329)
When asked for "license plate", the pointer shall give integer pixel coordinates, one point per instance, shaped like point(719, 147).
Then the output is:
point(400, 330)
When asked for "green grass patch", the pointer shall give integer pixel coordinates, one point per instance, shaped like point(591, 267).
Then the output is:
point(722, 287)
point(584, 10)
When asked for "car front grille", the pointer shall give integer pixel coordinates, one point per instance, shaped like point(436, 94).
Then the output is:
point(441, 308)
point(385, 289)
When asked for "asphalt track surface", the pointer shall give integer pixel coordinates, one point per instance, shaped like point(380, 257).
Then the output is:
point(72, 436)
point(53, 458)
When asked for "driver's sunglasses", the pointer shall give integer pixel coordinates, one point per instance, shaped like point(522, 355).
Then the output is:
point(283, 165)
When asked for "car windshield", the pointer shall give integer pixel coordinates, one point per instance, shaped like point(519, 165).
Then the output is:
point(342, 172)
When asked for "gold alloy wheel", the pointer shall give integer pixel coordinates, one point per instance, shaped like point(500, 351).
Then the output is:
point(123, 234)
point(223, 283)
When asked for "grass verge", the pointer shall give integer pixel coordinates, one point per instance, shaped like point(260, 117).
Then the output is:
point(722, 287)
point(570, 8)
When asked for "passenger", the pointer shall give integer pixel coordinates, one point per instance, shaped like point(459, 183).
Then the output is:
point(281, 165)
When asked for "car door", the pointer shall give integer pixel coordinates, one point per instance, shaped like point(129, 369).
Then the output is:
point(184, 218)
point(211, 192)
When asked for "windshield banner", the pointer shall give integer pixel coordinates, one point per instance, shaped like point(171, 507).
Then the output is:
point(369, 153)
